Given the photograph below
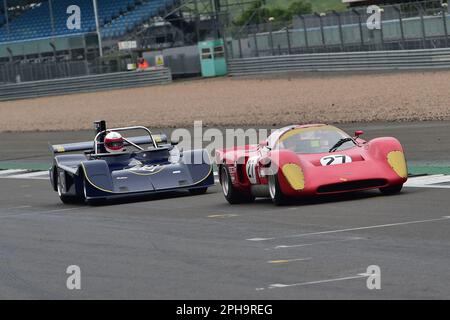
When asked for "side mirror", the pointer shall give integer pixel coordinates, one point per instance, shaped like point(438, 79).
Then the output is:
point(358, 133)
point(264, 143)
point(174, 142)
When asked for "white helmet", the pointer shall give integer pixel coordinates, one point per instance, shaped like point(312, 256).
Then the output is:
point(114, 142)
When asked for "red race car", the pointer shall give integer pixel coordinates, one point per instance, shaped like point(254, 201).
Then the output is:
point(308, 160)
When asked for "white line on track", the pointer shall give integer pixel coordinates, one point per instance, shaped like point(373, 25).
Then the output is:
point(229, 215)
point(8, 214)
point(351, 229)
point(23, 174)
point(31, 175)
point(281, 261)
point(18, 207)
point(279, 285)
point(11, 171)
point(431, 181)
point(314, 243)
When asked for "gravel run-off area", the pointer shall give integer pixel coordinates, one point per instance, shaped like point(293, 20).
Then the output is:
point(244, 101)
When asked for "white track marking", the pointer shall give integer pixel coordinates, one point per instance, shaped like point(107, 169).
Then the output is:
point(18, 207)
point(314, 243)
point(425, 177)
point(230, 215)
point(9, 215)
point(31, 175)
point(351, 229)
point(11, 171)
point(23, 174)
point(428, 181)
point(281, 261)
point(279, 285)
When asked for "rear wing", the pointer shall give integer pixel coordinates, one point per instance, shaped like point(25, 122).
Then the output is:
point(160, 139)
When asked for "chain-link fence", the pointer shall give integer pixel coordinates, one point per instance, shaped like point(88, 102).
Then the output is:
point(419, 25)
point(24, 72)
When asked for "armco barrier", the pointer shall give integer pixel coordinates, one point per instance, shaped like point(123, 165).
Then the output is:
point(119, 80)
point(343, 61)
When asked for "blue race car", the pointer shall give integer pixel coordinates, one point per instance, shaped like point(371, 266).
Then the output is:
point(113, 166)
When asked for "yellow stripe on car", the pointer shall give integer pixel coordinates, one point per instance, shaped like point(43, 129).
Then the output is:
point(294, 175)
point(396, 160)
point(59, 149)
point(157, 138)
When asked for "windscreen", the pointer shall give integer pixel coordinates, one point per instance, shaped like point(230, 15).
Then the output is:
point(313, 140)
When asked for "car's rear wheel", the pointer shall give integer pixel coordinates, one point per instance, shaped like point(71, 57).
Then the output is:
point(391, 189)
point(198, 191)
point(232, 195)
point(277, 196)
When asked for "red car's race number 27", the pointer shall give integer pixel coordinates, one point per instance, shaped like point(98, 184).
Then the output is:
point(335, 159)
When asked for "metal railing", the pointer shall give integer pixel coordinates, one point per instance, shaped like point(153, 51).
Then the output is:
point(23, 72)
point(343, 61)
point(92, 83)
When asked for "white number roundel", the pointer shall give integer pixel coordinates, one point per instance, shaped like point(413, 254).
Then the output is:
point(251, 169)
point(335, 159)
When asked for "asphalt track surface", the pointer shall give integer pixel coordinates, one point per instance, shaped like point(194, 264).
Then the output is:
point(178, 246)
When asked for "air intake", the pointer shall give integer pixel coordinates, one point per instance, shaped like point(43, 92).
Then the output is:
point(352, 185)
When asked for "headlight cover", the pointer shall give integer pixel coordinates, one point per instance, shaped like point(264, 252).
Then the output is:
point(294, 175)
point(396, 160)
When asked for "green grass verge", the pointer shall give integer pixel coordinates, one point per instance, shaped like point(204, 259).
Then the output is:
point(24, 166)
point(428, 170)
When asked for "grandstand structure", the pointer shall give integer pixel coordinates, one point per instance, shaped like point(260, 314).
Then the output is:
point(47, 31)
point(42, 27)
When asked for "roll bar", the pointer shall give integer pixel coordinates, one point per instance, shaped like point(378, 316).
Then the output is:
point(106, 131)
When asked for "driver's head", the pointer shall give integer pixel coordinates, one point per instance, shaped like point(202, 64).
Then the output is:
point(114, 142)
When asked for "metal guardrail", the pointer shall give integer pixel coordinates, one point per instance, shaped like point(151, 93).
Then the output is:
point(343, 61)
point(92, 83)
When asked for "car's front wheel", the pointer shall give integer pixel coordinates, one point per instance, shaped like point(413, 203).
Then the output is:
point(391, 189)
point(67, 199)
point(232, 195)
point(277, 196)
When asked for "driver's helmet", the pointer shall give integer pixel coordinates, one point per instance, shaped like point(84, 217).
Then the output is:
point(114, 142)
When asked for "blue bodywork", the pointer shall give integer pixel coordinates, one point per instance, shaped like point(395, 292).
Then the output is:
point(91, 176)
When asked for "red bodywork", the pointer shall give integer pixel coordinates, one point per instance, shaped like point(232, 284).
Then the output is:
point(369, 168)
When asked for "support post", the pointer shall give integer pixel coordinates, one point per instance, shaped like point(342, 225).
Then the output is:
point(341, 35)
point(305, 31)
point(271, 37)
point(444, 20)
point(322, 33)
point(400, 21)
point(97, 26)
point(361, 34)
point(422, 24)
point(288, 38)
point(5, 7)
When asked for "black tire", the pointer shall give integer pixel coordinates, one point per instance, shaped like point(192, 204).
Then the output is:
point(230, 193)
point(198, 191)
point(277, 196)
point(391, 189)
point(67, 199)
